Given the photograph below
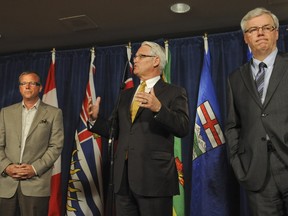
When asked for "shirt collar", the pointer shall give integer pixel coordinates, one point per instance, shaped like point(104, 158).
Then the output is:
point(269, 60)
point(35, 106)
point(151, 82)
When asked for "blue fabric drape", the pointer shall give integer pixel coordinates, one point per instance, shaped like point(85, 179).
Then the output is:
point(228, 51)
point(72, 70)
point(10, 69)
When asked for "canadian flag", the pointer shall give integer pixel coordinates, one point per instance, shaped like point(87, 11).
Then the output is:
point(128, 69)
point(50, 97)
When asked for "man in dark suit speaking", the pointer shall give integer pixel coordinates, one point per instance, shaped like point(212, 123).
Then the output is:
point(148, 118)
point(257, 123)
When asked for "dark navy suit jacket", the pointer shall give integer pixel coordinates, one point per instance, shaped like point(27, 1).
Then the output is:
point(249, 121)
point(149, 141)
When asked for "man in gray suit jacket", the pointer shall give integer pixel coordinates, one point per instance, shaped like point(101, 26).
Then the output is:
point(31, 139)
point(145, 174)
point(257, 122)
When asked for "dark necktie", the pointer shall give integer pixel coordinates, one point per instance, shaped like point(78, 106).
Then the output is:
point(260, 79)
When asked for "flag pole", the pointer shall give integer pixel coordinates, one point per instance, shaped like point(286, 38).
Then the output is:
point(110, 208)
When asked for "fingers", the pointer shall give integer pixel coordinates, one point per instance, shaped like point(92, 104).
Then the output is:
point(142, 97)
point(21, 171)
point(148, 100)
point(152, 92)
point(89, 105)
point(98, 100)
point(93, 109)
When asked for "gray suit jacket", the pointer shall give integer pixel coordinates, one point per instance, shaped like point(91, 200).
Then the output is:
point(149, 141)
point(44, 144)
point(249, 121)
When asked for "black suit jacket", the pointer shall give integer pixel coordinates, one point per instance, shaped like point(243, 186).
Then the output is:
point(249, 121)
point(149, 141)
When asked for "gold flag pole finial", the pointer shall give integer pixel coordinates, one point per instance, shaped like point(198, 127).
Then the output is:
point(205, 35)
point(129, 45)
point(92, 50)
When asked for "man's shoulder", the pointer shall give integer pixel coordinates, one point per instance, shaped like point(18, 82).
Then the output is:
point(283, 56)
point(243, 67)
point(163, 83)
point(170, 88)
point(49, 107)
point(175, 87)
point(12, 106)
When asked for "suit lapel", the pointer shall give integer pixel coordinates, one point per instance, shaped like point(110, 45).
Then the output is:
point(247, 78)
point(280, 68)
point(39, 116)
point(18, 118)
point(159, 87)
point(127, 101)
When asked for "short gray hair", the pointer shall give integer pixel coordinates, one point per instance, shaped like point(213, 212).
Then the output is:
point(255, 13)
point(30, 72)
point(159, 51)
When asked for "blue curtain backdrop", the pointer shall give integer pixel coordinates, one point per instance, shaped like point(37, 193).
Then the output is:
point(228, 51)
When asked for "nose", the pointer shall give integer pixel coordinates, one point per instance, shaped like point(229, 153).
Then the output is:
point(260, 30)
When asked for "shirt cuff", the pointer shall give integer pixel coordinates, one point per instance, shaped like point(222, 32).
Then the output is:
point(34, 170)
point(90, 123)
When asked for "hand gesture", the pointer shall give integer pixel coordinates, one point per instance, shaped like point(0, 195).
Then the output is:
point(93, 110)
point(148, 100)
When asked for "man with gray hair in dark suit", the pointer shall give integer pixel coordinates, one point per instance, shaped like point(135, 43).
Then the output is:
point(257, 122)
point(148, 118)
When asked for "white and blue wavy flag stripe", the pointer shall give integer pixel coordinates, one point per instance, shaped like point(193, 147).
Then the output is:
point(85, 191)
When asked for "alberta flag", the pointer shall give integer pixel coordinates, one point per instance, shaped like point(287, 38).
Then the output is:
point(50, 97)
point(85, 187)
point(209, 194)
point(249, 53)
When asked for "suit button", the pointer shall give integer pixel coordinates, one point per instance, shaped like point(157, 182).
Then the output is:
point(264, 114)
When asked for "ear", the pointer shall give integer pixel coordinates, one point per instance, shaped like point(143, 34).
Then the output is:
point(156, 62)
point(245, 38)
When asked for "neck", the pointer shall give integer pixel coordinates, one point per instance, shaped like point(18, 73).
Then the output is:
point(30, 103)
point(262, 54)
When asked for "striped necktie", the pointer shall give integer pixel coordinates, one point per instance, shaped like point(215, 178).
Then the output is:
point(135, 105)
point(259, 79)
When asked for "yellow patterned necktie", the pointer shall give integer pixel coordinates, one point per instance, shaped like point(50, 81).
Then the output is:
point(135, 105)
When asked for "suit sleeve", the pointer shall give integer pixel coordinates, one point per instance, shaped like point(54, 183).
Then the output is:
point(174, 116)
point(233, 125)
point(4, 161)
point(55, 145)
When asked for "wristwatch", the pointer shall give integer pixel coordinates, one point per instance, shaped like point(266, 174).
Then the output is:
point(4, 174)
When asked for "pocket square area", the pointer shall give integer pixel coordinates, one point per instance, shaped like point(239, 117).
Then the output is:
point(44, 121)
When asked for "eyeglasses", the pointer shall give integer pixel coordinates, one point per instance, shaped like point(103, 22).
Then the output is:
point(265, 29)
point(141, 56)
point(29, 83)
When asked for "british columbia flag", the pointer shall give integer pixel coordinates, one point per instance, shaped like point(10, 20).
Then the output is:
point(85, 187)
